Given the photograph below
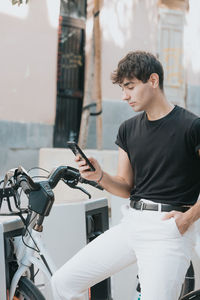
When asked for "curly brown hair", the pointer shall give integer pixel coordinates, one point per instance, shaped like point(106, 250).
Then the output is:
point(140, 65)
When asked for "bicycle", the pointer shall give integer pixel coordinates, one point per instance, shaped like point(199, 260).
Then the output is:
point(26, 249)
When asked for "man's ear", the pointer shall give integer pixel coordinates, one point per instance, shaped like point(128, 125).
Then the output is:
point(154, 80)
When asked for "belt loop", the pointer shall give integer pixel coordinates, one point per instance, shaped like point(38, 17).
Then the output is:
point(159, 207)
point(142, 205)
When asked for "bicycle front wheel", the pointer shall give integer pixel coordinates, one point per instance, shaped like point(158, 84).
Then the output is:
point(26, 290)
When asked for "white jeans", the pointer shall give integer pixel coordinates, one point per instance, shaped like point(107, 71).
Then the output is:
point(161, 252)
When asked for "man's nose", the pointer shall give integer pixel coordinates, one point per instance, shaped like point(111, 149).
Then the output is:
point(125, 96)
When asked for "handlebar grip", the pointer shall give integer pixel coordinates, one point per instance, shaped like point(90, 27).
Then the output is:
point(25, 186)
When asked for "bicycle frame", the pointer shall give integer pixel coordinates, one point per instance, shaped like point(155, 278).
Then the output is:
point(28, 255)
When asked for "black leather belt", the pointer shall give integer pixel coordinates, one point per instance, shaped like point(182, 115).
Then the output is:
point(140, 205)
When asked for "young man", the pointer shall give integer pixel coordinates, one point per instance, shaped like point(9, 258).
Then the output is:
point(159, 169)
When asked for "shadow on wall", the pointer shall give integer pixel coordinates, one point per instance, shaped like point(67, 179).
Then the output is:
point(125, 21)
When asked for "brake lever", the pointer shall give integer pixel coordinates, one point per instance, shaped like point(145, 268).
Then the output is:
point(73, 185)
point(83, 190)
point(10, 174)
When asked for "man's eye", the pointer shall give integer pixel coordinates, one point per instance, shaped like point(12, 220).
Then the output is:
point(131, 88)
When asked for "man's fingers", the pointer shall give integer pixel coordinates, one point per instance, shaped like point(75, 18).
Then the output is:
point(78, 158)
point(81, 163)
point(171, 214)
point(86, 174)
point(84, 168)
point(168, 215)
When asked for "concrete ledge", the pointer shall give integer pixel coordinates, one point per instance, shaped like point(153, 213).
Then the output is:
point(11, 158)
point(25, 135)
point(20, 143)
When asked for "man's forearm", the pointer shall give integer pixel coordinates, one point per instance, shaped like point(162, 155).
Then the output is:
point(115, 185)
point(193, 213)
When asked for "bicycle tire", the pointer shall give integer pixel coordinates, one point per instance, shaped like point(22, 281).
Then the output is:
point(195, 295)
point(26, 290)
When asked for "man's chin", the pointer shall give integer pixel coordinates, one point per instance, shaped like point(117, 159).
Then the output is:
point(137, 108)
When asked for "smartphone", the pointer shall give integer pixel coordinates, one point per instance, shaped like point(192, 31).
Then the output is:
point(77, 151)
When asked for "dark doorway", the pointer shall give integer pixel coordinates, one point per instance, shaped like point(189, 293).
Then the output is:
point(70, 79)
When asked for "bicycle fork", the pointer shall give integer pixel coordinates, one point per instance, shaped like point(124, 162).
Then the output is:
point(43, 262)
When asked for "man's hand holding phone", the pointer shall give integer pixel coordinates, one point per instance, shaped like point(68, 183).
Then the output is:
point(89, 168)
point(84, 169)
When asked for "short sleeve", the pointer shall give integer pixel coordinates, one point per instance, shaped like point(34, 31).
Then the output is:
point(195, 135)
point(121, 137)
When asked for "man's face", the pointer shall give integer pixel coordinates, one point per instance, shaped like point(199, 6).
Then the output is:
point(139, 95)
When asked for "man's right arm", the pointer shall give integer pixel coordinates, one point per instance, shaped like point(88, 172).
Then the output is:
point(119, 184)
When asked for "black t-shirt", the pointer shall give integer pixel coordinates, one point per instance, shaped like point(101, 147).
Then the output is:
point(164, 156)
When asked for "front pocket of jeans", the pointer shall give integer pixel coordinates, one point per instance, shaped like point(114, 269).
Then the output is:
point(175, 226)
point(171, 229)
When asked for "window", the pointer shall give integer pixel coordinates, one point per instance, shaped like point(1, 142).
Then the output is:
point(170, 51)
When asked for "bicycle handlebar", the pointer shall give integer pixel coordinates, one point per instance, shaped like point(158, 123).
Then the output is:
point(63, 172)
point(25, 187)
point(24, 180)
point(40, 194)
point(66, 173)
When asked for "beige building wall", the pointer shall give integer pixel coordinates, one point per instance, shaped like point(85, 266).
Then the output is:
point(28, 61)
point(29, 51)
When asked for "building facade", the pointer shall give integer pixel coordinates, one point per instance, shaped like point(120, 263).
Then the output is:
point(29, 55)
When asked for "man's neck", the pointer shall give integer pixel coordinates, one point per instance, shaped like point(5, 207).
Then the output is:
point(159, 109)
